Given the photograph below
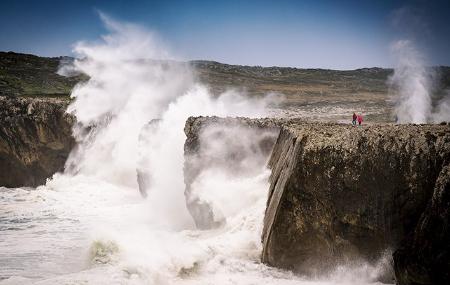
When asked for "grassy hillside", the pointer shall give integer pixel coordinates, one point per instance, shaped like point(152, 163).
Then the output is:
point(29, 75)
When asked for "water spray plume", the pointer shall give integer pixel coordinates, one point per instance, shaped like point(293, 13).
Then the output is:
point(411, 83)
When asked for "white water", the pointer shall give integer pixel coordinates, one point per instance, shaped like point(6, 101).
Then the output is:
point(91, 226)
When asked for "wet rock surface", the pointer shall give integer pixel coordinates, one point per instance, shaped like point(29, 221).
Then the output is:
point(341, 194)
point(35, 139)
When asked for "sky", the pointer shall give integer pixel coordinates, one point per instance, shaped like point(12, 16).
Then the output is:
point(345, 34)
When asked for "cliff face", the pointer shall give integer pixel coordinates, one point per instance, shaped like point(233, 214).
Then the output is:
point(424, 257)
point(341, 193)
point(35, 140)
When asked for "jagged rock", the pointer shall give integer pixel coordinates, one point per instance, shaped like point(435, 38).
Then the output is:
point(35, 139)
point(341, 193)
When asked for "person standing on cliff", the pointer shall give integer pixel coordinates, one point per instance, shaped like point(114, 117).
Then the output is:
point(354, 119)
point(360, 119)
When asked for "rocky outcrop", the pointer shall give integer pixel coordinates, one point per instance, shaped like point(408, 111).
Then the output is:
point(341, 193)
point(213, 142)
point(35, 140)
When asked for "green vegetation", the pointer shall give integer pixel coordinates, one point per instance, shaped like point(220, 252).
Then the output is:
point(33, 76)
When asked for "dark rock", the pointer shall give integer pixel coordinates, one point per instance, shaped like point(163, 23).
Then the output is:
point(341, 193)
point(35, 140)
point(424, 257)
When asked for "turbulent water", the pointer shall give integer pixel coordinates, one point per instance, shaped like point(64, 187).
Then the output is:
point(83, 229)
point(80, 230)
point(90, 225)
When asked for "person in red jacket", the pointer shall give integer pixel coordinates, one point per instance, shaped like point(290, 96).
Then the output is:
point(354, 119)
point(360, 119)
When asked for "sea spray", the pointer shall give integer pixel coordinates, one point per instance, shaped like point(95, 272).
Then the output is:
point(442, 110)
point(414, 84)
point(411, 83)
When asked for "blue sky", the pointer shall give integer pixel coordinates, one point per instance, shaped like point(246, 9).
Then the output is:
point(324, 34)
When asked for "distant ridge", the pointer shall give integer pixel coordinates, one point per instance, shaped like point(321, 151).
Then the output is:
point(34, 76)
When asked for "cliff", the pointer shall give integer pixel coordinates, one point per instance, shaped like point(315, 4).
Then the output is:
point(35, 140)
point(424, 257)
point(341, 194)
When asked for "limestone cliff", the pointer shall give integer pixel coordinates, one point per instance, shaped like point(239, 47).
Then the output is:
point(35, 140)
point(340, 193)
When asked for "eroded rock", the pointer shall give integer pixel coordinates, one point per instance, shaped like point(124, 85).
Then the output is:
point(35, 140)
point(340, 193)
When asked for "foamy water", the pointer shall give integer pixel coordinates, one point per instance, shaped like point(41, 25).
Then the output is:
point(78, 230)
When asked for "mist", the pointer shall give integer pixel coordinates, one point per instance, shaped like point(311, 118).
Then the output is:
point(414, 83)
